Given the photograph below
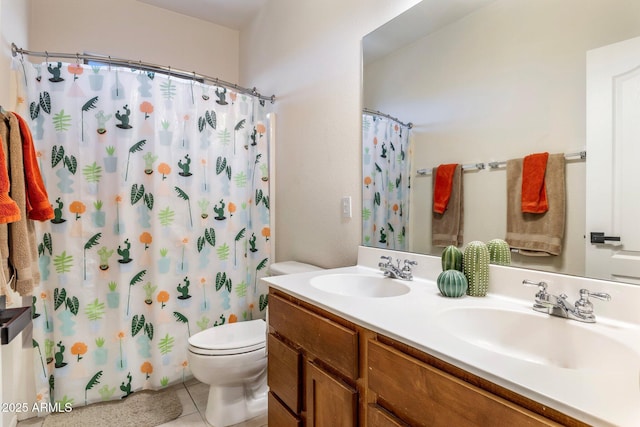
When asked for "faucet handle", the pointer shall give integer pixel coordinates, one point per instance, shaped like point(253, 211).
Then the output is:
point(542, 297)
point(584, 307)
point(542, 286)
point(531, 282)
point(407, 267)
point(385, 264)
point(585, 294)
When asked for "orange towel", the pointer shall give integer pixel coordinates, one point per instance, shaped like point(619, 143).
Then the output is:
point(442, 190)
point(9, 210)
point(38, 205)
point(534, 190)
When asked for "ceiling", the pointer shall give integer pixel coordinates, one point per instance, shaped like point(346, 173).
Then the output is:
point(228, 13)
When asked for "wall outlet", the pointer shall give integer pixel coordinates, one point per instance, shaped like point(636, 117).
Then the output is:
point(346, 207)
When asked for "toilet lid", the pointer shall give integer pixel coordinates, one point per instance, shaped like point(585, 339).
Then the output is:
point(230, 338)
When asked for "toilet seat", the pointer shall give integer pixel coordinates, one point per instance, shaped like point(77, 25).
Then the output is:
point(231, 338)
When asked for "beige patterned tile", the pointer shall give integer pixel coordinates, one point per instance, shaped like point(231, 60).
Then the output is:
point(191, 420)
point(200, 394)
point(254, 422)
point(188, 406)
point(31, 422)
point(191, 381)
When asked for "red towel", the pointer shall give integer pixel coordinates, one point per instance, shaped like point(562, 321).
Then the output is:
point(9, 210)
point(442, 190)
point(38, 205)
point(534, 190)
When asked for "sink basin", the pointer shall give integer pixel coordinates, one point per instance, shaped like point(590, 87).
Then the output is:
point(359, 285)
point(12, 322)
point(538, 338)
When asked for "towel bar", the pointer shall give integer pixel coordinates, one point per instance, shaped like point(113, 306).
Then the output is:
point(471, 166)
point(579, 155)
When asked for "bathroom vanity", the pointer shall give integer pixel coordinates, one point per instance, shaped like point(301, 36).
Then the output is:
point(321, 366)
point(412, 357)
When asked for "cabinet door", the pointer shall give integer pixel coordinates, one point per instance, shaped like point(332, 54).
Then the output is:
point(330, 402)
point(279, 415)
point(379, 417)
point(284, 373)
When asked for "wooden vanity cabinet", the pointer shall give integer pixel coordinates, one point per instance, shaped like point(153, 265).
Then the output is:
point(327, 372)
point(313, 370)
point(422, 395)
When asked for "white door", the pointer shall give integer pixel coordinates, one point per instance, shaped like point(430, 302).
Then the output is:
point(613, 163)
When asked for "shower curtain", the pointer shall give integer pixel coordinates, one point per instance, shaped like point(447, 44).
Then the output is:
point(386, 167)
point(161, 230)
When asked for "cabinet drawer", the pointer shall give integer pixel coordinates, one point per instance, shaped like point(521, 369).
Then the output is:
point(279, 415)
point(328, 341)
point(423, 395)
point(284, 370)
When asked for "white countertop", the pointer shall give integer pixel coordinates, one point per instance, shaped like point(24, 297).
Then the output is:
point(609, 396)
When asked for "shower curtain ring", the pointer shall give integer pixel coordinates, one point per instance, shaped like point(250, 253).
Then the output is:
point(109, 63)
point(46, 54)
point(77, 58)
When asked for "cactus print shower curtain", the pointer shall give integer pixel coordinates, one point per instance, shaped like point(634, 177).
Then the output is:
point(386, 167)
point(161, 228)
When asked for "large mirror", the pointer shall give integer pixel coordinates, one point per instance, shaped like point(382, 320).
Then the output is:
point(486, 81)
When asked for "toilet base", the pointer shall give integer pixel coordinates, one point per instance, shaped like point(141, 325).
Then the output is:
point(228, 405)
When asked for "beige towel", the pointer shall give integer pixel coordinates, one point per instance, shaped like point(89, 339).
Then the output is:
point(18, 248)
point(537, 234)
point(447, 228)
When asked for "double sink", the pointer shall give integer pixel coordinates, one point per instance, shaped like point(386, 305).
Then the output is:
point(590, 371)
point(522, 334)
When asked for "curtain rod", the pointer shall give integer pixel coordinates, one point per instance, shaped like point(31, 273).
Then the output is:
point(580, 155)
point(146, 66)
point(379, 113)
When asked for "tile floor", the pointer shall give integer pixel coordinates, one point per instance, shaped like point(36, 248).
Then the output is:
point(193, 395)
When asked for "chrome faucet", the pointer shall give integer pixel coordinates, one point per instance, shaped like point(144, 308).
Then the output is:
point(581, 310)
point(394, 271)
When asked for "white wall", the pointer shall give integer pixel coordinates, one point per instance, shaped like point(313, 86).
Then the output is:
point(308, 54)
point(16, 367)
point(137, 31)
point(501, 83)
point(13, 28)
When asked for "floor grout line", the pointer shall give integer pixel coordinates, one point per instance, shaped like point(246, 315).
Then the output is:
point(196, 406)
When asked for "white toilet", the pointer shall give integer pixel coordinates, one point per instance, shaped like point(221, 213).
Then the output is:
point(232, 359)
point(291, 267)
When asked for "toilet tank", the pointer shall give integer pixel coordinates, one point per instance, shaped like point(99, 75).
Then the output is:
point(291, 267)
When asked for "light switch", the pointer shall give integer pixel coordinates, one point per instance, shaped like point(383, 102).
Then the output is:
point(346, 207)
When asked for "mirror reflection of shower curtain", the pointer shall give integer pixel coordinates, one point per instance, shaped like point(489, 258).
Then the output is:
point(386, 167)
point(161, 229)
